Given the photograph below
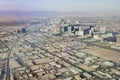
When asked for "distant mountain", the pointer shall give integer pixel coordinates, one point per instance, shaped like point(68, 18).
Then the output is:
point(19, 15)
point(27, 15)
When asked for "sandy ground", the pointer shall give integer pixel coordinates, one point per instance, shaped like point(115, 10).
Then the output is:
point(104, 53)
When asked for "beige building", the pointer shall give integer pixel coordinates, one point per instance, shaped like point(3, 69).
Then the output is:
point(79, 33)
point(118, 39)
point(102, 29)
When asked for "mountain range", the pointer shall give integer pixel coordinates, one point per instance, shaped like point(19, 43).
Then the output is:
point(18, 15)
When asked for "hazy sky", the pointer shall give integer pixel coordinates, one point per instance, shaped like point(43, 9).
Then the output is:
point(60, 5)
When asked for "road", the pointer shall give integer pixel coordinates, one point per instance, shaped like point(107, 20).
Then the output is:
point(8, 61)
point(11, 47)
point(9, 53)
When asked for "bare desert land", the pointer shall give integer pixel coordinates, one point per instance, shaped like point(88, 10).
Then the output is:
point(104, 53)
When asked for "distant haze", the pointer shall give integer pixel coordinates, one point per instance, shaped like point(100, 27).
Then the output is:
point(60, 5)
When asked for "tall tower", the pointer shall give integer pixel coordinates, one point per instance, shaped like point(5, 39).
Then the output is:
point(69, 29)
point(50, 33)
point(62, 30)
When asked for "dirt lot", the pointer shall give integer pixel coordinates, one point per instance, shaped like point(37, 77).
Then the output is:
point(104, 53)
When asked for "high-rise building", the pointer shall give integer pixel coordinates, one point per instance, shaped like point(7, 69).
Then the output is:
point(62, 30)
point(50, 33)
point(102, 29)
point(65, 28)
point(69, 29)
point(93, 30)
point(56, 30)
point(23, 30)
point(90, 32)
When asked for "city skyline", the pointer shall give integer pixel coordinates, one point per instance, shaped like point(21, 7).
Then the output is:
point(60, 5)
